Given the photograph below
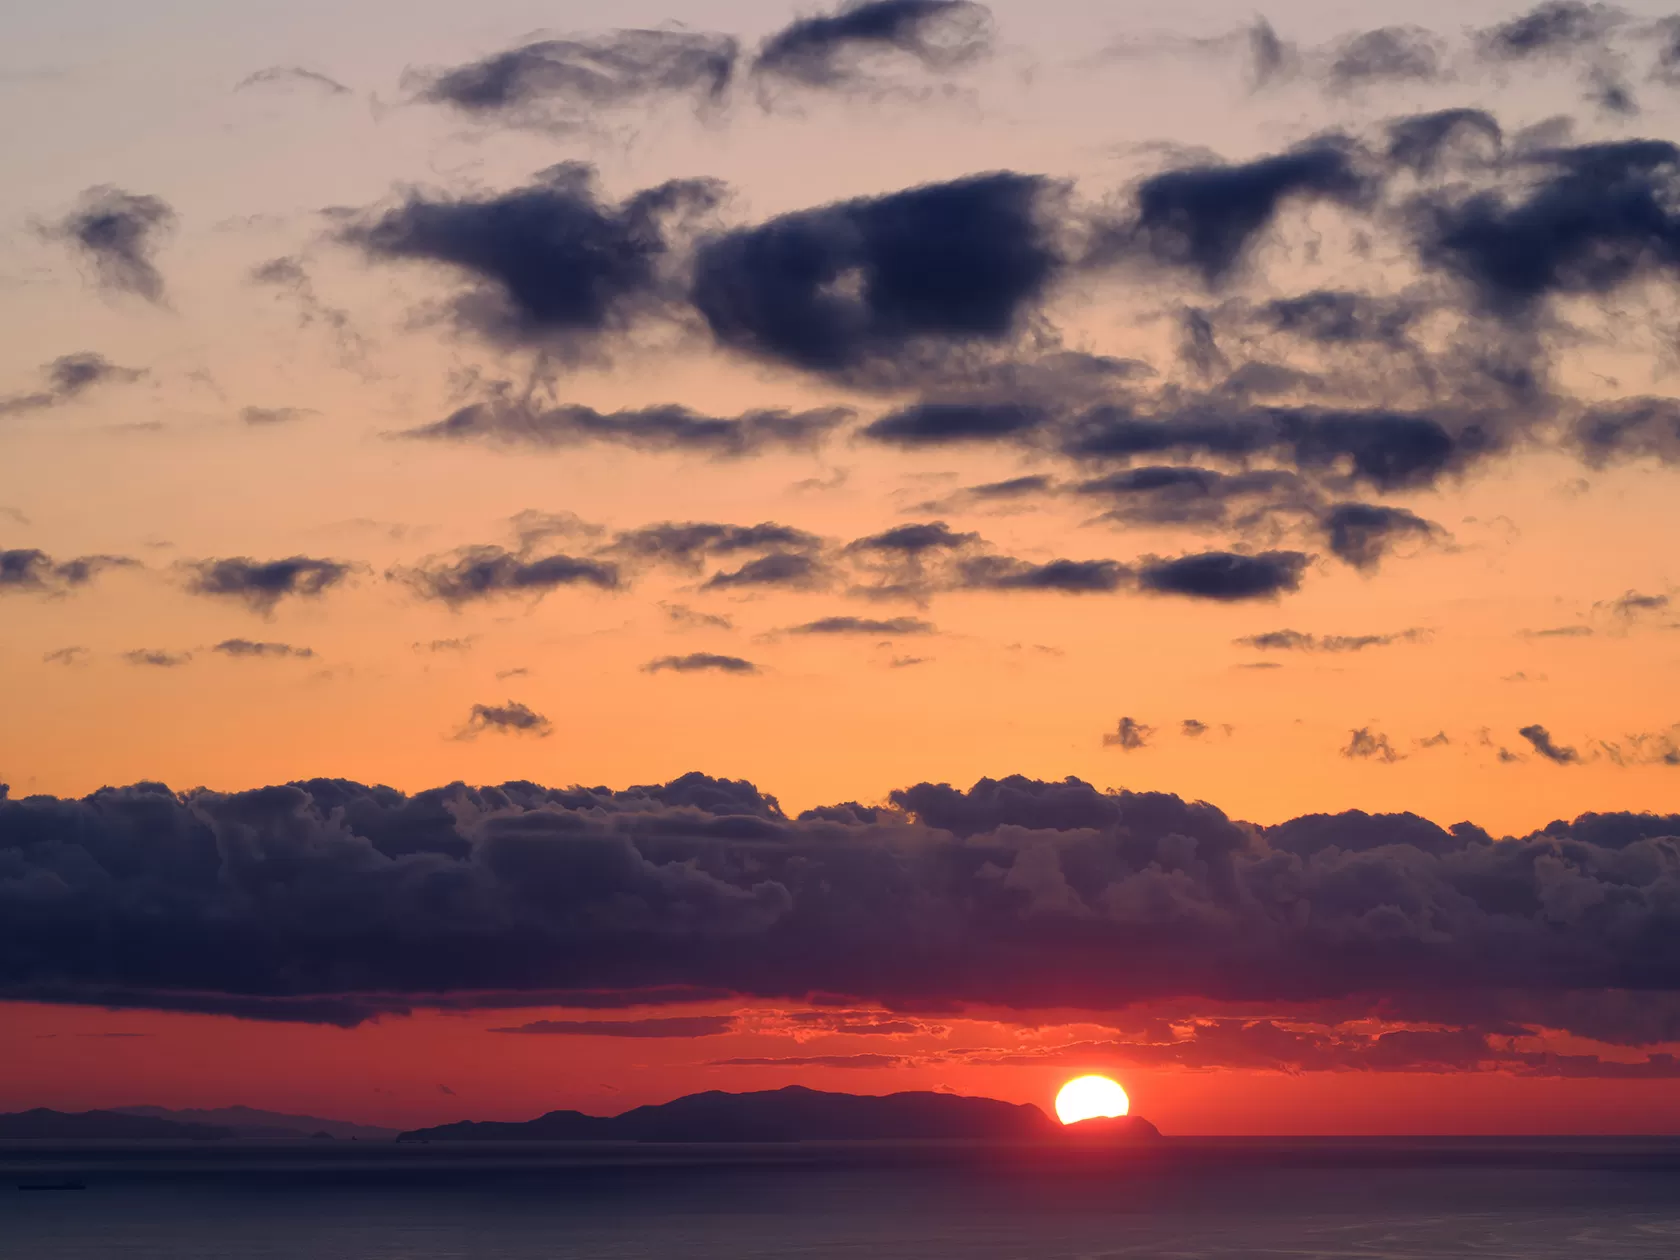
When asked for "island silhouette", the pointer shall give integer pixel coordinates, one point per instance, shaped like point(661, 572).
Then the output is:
point(795, 1113)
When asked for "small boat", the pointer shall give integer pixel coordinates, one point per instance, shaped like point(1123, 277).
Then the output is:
point(51, 1185)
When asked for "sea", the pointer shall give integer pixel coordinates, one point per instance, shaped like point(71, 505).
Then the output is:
point(1409, 1199)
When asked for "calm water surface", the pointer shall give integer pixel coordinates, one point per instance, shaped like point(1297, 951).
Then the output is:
point(1381, 1201)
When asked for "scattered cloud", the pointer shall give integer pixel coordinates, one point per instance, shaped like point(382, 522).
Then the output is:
point(1540, 739)
point(27, 570)
point(247, 648)
point(1365, 744)
point(119, 233)
point(701, 662)
point(262, 584)
point(1129, 735)
point(157, 658)
point(511, 718)
point(292, 77)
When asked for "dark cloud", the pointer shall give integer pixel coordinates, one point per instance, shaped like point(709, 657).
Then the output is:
point(69, 376)
point(1560, 632)
point(565, 84)
point(687, 545)
point(511, 718)
point(944, 423)
point(332, 902)
point(835, 50)
point(1423, 143)
point(157, 658)
point(1388, 450)
point(1206, 218)
point(1542, 742)
point(1225, 575)
point(1160, 495)
point(550, 263)
point(28, 570)
point(73, 655)
point(796, 570)
point(1552, 28)
point(701, 662)
point(1387, 54)
point(1129, 735)
point(1632, 428)
point(1297, 641)
point(245, 648)
point(292, 76)
point(877, 278)
point(1365, 744)
point(1363, 533)
point(487, 572)
point(655, 1026)
point(1599, 217)
point(1191, 728)
point(119, 232)
point(1071, 577)
point(670, 427)
point(915, 539)
point(262, 584)
point(890, 626)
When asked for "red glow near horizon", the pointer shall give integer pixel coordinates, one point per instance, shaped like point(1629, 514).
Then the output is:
point(434, 1067)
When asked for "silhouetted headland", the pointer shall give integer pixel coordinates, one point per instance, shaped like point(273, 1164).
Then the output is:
point(792, 1114)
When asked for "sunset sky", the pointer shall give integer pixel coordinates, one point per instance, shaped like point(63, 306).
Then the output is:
point(862, 479)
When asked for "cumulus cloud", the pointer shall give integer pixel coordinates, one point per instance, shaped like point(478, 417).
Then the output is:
point(1070, 577)
point(550, 263)
point(846, 48)
point(118, 233)
point(474, 573)
point(1366, 744)
point(329, 901)
point(69, 377)
point(1540, 739)
point(1207, 218)
point(1129, 735)
point(792, 570)
point(511, 718)
point(566, 84)
point(881, 278)
point(27, 570)
point(1225, 576)
point(1363, 533)
point(686, 545)
point(262, 584)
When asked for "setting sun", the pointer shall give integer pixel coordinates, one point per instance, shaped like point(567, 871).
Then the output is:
point(1086, 1097)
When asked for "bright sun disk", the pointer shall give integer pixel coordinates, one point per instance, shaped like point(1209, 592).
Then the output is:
point(1085, 1097)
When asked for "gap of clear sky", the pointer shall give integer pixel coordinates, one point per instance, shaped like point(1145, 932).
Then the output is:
point(1273, 412)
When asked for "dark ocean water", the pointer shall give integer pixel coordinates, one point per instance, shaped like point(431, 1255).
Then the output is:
point(1404, 1200)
